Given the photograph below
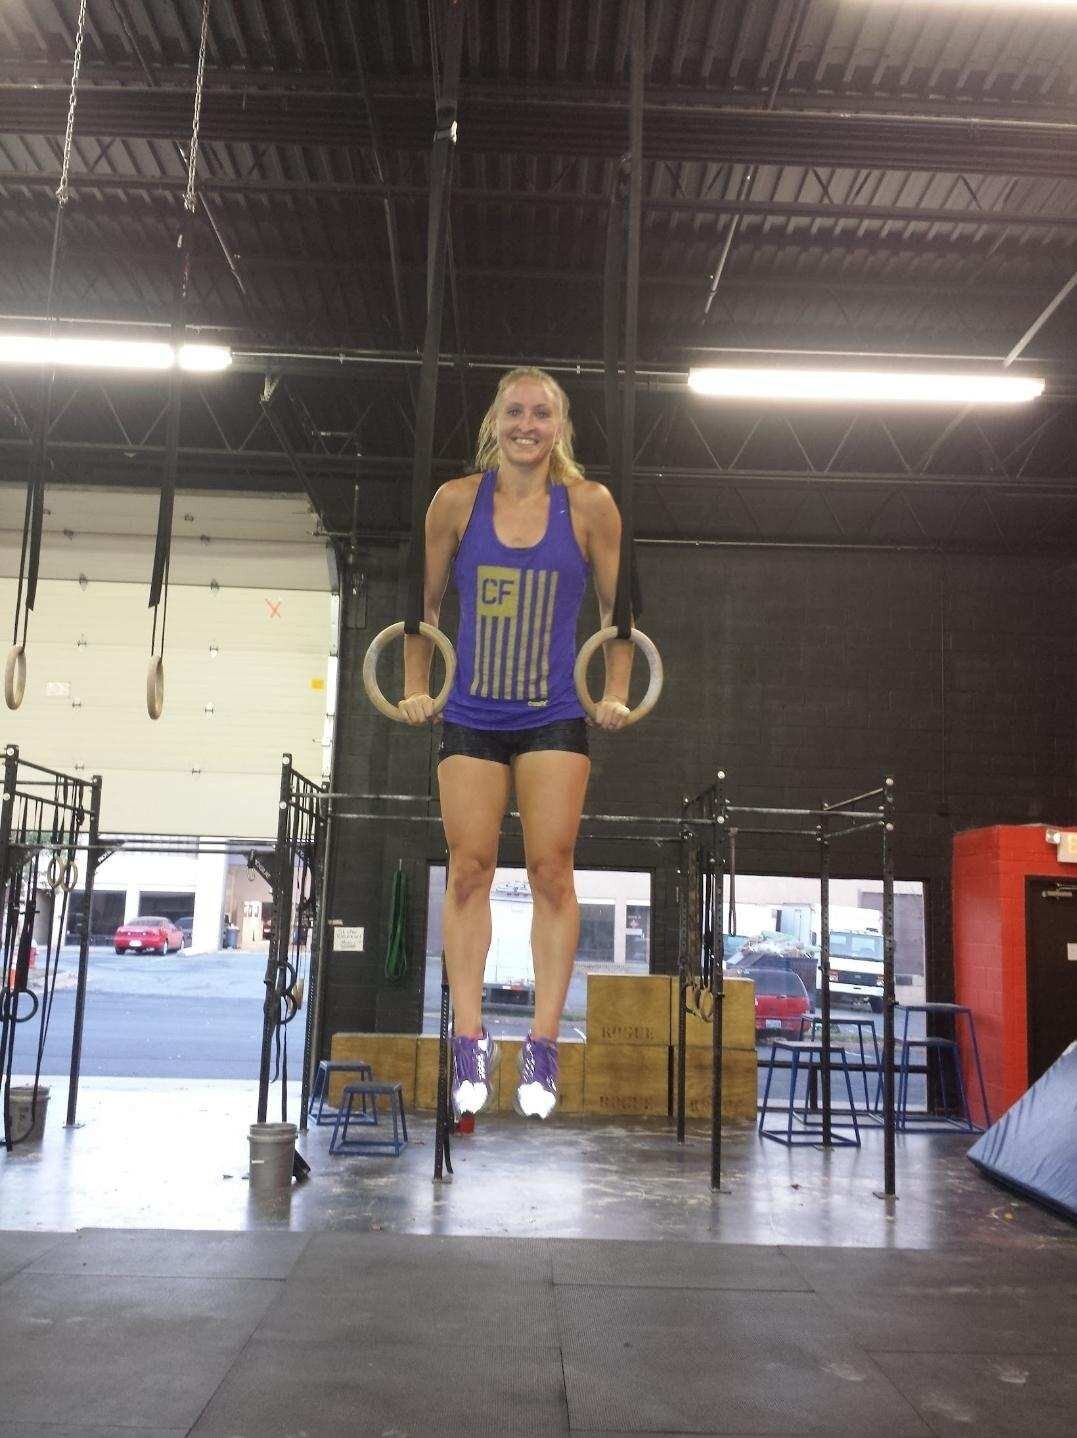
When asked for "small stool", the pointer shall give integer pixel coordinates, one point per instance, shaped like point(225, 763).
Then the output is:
point(946, 1049)
point(317, 1113)
point(812, 1050)
point(359, 1093)
point(814, 1025)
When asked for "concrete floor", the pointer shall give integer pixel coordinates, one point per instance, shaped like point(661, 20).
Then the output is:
point(577, 1277)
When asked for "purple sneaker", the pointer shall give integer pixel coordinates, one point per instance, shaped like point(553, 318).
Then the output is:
point(473, 1062)
point(536, 1094)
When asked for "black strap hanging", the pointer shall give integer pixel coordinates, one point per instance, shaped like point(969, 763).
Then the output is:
point(441, 165)
point(622, 260)
point(158, 600)
point(33, 519)
point(622, 264)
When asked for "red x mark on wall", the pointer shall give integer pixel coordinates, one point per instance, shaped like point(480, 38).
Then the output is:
point(274, 608)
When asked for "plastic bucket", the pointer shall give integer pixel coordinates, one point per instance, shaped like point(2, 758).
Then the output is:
point(28, 1126)
point(272, 1156)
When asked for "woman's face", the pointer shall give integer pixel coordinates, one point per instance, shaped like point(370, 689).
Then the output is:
point(528, 423)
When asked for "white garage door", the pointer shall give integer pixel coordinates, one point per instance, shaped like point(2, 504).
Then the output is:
point(245, 678)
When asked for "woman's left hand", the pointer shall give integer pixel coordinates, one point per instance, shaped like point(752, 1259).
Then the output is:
point(611, 714)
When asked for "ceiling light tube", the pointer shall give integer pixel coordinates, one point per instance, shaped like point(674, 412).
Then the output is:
point(836, 386)
point(80, 352)
point(204, 359)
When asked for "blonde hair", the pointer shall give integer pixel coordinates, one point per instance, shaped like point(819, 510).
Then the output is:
point(563, 466)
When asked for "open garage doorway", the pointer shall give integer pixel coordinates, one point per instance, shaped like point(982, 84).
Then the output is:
point(193, 1013)
point(773, 938)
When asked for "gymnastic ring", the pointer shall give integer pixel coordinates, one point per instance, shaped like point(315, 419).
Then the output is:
point(155, 687)
point(16, 994)
point(654, 660)
point(71, 876)
point(54, 874)
point(15, 676)
point(370, 668)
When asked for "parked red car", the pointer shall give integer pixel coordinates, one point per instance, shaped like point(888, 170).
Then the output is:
point(151, 934)
point(781, 1001)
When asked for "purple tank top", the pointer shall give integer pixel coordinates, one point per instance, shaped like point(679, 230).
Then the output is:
point(516, 644)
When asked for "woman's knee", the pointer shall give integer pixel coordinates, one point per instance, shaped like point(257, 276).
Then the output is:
point(551, 877)
point(469, 874)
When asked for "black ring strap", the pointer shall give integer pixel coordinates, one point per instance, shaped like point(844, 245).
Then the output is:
point(441, 164)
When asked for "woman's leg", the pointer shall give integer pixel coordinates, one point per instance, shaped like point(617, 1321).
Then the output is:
point(474, 797)
point(550, 789)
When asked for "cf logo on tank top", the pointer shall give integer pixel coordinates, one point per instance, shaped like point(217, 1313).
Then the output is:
point(514, 612)
point(498, 591)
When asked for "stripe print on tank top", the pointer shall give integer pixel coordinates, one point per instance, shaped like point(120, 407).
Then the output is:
point(514, 614)
point(516, 642)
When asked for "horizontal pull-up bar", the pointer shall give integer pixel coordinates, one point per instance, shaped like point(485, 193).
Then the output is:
point(790, 813)
point(366, 798)
point(859, 798)
point(512, 814)
point(49, 801)
point(515, 814)
point(804, 833)
point(860, 828)
point(54, 773)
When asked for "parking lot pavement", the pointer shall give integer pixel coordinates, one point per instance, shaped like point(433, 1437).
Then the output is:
point(225, 973)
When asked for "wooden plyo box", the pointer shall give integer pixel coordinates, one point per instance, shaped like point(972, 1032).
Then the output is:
point(569, 1086)
point(570, 1064)
point(626, 1078)
point(739, 1084)
point(738, 1018)
point(393, 1057)
point(628, 1009)
point(426, 1072)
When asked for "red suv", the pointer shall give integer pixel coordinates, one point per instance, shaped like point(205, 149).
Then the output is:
point(781, 1001)
point(148, 935)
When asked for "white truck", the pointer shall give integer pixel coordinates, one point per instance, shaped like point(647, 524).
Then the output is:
point(856, 948)
point(509, 978)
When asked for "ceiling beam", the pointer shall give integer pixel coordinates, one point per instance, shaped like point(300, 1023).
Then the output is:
point(159, 262)
point(280, 85)
point(206, 466)
point(836, 210)
point(539, 126)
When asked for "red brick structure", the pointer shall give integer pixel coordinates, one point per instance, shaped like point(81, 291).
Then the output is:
point(990, 867)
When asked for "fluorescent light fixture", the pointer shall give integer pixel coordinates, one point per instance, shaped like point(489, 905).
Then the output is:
point(205, 359)
point(849, 386)
point(82, 353)
point(1008, 4)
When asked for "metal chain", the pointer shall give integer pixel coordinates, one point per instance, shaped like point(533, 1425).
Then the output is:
point(69, 136)
point(199, 79)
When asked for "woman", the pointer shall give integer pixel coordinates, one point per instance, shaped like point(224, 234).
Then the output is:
point(519, 538)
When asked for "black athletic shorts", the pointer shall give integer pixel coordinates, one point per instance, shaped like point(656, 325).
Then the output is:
point(502, 745)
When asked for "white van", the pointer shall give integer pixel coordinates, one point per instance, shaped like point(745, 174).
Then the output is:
point(509, 977)
point(856, 948)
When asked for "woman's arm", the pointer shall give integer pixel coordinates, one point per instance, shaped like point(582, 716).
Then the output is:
point(604, 553)
point(442, 538)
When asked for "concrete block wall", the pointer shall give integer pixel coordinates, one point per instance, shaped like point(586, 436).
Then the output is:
point(990, 953)
point(805, 674)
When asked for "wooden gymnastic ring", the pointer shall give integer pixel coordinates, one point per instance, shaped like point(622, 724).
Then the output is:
point(15, 676)
point(654, 660)
point(155, 687)
point(370, 668)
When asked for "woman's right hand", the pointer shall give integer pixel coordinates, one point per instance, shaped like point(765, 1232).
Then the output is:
point(417, 709)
